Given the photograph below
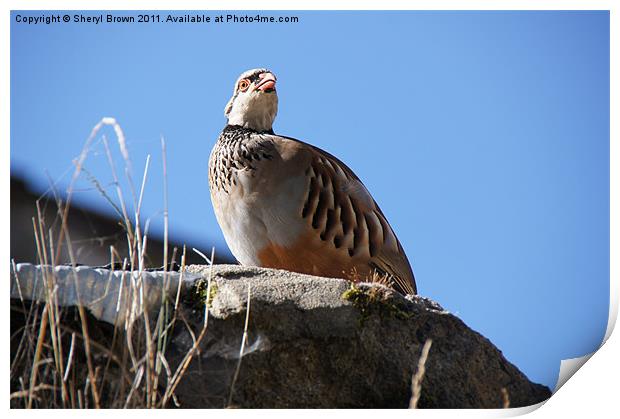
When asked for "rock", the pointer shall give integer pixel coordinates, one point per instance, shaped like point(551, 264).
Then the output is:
point(323, 343)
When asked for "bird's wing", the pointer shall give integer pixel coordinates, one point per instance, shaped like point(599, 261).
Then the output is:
point(341, 210)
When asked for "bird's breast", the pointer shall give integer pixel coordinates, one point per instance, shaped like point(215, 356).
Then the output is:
point(257, 202)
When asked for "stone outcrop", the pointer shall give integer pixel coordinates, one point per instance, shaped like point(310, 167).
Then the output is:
point(323, 343)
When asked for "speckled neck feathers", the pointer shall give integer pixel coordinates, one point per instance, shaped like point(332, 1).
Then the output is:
point(237, 148)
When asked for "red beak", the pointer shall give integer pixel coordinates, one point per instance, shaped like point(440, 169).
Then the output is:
point(267, 83)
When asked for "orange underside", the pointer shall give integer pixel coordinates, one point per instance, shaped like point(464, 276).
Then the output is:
point(314, 257)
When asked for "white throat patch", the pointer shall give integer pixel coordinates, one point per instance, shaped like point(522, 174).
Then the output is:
point(254, 110)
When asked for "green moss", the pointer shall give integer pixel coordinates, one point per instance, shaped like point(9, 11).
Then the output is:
point(199, 293)
point(375, 300)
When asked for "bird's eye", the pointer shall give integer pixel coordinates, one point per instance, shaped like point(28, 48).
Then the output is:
point(244, 84)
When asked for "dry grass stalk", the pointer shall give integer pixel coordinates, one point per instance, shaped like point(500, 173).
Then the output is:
point(505, 398)
point(244, 339)
point(416, 381)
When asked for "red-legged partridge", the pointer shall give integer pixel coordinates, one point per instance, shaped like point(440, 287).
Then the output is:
point(285, 204)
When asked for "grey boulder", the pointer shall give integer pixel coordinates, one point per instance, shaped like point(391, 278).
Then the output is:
point(324, 343)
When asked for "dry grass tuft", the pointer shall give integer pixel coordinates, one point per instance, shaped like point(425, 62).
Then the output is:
point(63, 357)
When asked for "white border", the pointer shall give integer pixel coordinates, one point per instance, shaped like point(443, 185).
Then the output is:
point(589, 393)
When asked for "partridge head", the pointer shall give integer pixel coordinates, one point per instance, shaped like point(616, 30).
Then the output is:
point(254, 103)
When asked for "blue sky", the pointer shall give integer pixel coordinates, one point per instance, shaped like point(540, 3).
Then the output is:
point(483, 136)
